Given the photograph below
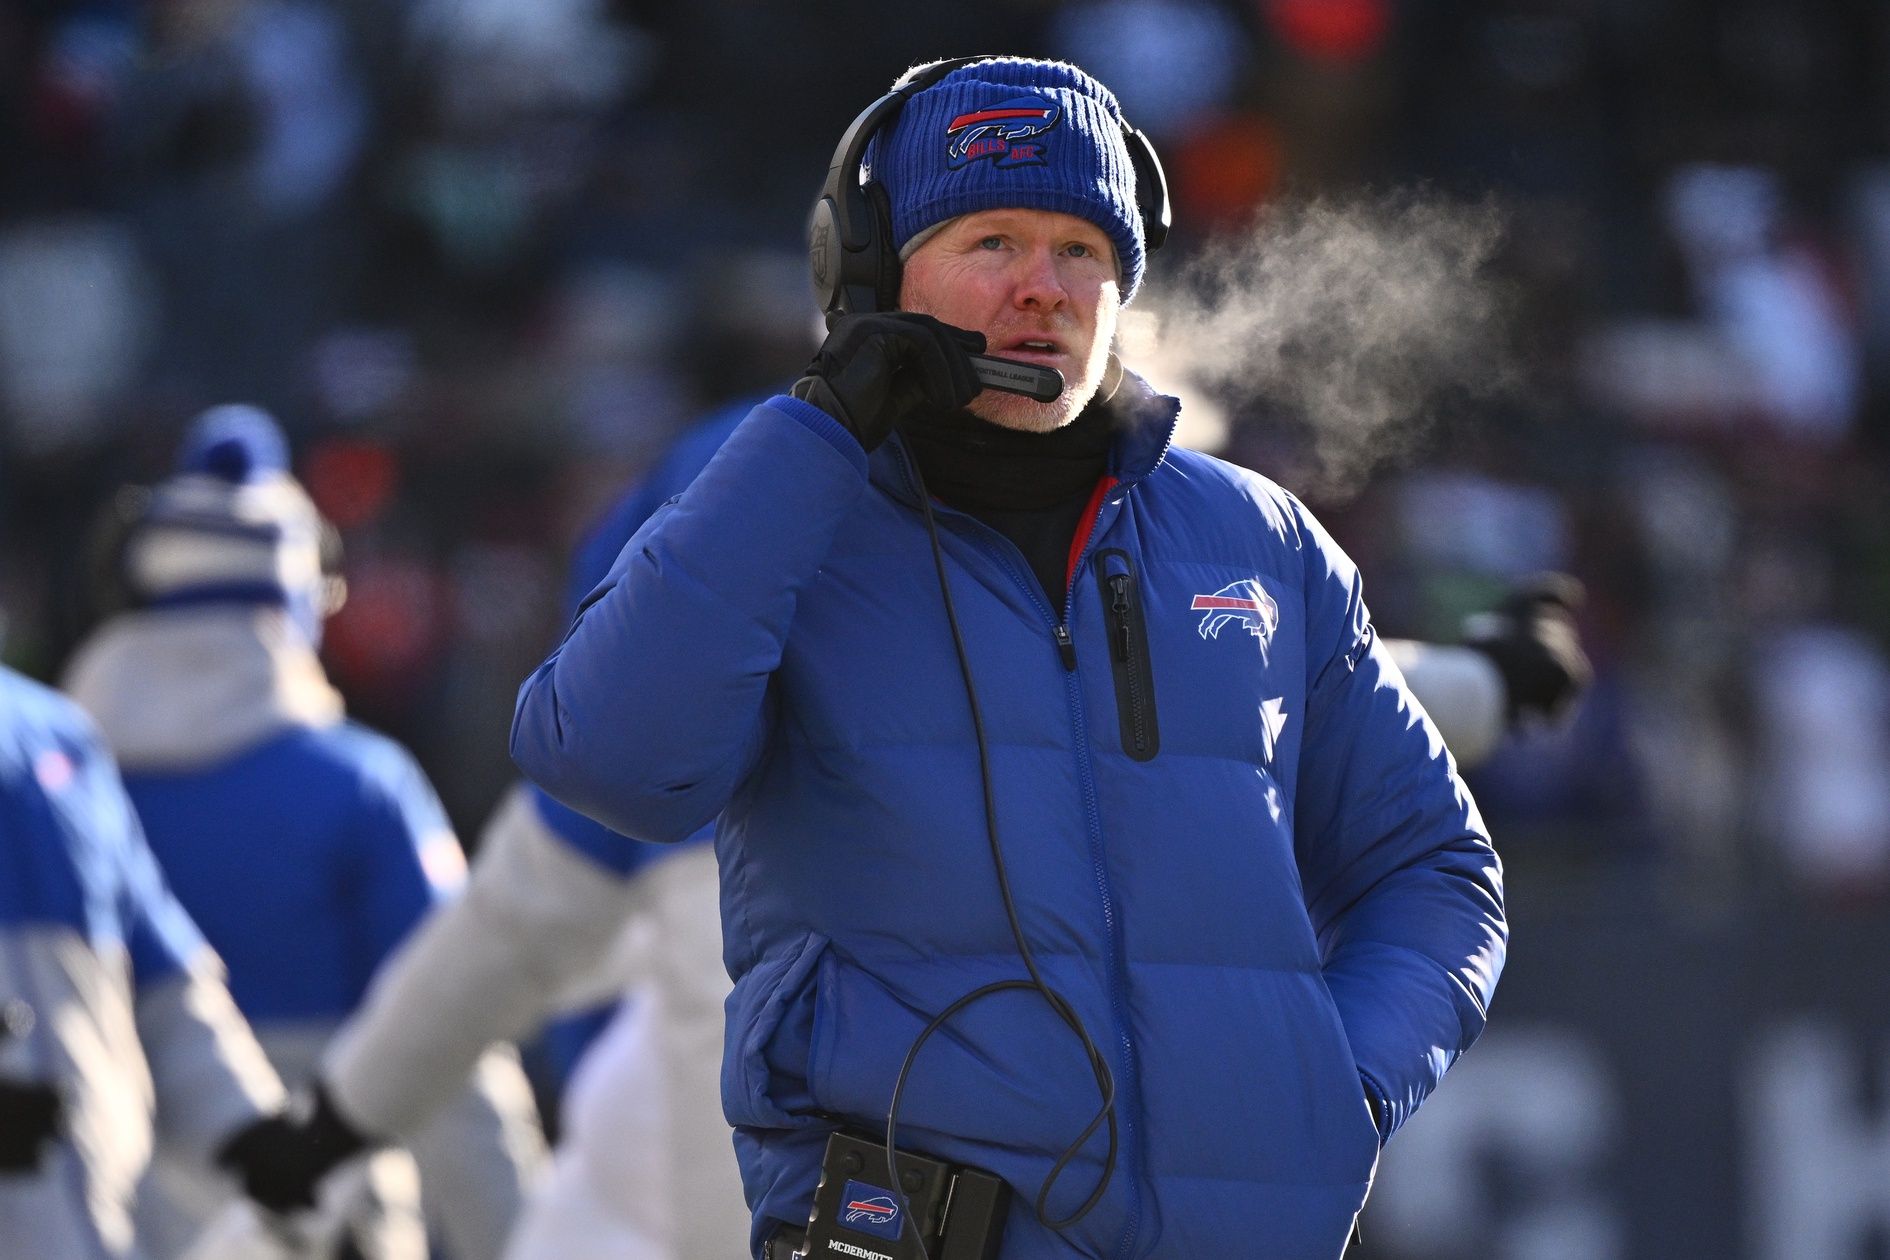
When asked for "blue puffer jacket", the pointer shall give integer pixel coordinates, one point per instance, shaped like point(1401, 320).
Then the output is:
point(359, 850)
point(1237, 846)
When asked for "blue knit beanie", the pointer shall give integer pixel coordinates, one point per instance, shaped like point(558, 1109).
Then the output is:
point(231, 526)
point(1012, 133)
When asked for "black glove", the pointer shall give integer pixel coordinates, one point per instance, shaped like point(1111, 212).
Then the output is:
point(1533, 640)
point(29, 1118)
point(876, 369)
point(282, 1158)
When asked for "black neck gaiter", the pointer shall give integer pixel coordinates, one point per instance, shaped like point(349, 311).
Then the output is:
point(972, 463)
point(1030, 487)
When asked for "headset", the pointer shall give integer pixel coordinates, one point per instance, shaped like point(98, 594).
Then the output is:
point(850, 243)
point(856, 269)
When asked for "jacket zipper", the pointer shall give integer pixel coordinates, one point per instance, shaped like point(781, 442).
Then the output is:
point(1128, 639)
point(1128, 1095)
point(1066, 646)
point(1128, 1091)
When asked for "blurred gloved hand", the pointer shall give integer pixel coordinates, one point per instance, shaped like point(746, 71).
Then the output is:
point(875, 369)
point(282, 1158)
point(1533, 639)
point(29, 1118)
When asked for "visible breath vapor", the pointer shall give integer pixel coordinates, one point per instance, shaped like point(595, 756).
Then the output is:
point(1356, 319)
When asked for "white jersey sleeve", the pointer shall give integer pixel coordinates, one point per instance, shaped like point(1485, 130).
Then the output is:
point(1462, 691)
point(482, 969)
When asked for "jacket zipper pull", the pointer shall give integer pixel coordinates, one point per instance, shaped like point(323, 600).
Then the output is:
point(1119, 605)
point(1066, 646)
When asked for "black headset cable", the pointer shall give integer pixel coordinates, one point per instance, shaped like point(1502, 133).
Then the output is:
point(1105, 1082)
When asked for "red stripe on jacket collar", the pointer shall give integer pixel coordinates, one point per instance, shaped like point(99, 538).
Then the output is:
point(1086, 526)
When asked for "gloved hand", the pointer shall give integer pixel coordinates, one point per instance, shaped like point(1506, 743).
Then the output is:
point(282, 1158)
point(29, 1118)
point(1533, 639)
point(875, 369)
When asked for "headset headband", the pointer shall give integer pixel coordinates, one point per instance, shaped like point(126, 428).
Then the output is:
point(849, 240)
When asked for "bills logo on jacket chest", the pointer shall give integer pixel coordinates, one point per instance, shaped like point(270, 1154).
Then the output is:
point(1228, 657)
point(1246, 603)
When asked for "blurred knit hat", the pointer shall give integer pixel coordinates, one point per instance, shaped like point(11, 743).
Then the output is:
point(231, 526)
point(1012, 133)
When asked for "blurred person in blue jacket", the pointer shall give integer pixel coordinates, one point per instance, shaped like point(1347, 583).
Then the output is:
point(117, 1035)
point(306, 845)
point(1022, 723)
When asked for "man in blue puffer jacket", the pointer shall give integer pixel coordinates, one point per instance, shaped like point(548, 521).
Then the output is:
point(1236, 847)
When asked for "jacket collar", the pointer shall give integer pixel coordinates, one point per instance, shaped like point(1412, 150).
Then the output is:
point(1148, 432)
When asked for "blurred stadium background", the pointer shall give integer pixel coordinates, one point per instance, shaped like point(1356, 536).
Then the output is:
point(485, 257)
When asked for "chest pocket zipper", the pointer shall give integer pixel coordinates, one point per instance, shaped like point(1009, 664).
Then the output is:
point(1129, 654)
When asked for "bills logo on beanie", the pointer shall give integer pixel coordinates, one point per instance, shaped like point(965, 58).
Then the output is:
point(1018, 134)
point(1006, 133)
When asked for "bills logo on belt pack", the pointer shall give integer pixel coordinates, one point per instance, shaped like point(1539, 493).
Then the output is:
point(870, 1209)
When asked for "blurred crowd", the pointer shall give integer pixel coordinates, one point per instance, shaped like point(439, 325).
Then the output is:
point(484, 259)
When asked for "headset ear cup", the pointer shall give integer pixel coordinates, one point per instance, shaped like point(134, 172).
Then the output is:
point(824, 254)
point(860, 267)
point(846, 280)
point(887, 268)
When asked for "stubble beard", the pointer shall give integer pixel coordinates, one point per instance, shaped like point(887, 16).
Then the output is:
point(1014, 411)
